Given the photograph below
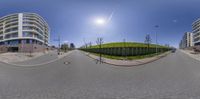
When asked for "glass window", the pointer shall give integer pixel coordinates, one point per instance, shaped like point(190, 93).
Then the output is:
point(27, 34)
point(13, 35)
point(1, 43)
point(27, 41)
point(23, 41)
point(14, 42)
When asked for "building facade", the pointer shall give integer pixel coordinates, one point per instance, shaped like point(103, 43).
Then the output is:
point(196, 31)
point(23, 32)
point(187, 40)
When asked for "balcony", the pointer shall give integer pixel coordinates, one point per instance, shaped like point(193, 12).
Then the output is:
point(32, 30)
point(10, 27)
point(10, 32)
point(32, 25)
point(33, 22)
point(11, 21)
point(34, 19)
point(12, 35)
point(13, 28)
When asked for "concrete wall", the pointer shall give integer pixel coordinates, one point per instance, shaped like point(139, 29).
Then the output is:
point(3, 49)
point(26, 48)
point(197, 48)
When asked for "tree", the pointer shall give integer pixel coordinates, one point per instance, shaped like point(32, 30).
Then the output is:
point(72, 46)
point(90, 44)
point(64, 47)
point(86, 45)
point(148, 41)
point(99, 43)
point(167, 45)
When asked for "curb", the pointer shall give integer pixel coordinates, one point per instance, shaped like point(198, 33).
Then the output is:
point(18, 65)
point(158, 57)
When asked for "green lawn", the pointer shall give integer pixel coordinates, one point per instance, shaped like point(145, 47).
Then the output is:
point(127, 44)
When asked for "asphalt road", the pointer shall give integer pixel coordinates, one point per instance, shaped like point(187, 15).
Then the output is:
point(176, 76)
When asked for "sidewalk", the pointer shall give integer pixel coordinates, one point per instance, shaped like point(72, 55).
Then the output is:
point(128, 63)
point(45, 59)
point(20, 59)
point(192, 54)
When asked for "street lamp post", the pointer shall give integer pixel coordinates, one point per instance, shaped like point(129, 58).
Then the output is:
point(59, 45)
point(156, 44)
point(156, 40)
point(58, 40)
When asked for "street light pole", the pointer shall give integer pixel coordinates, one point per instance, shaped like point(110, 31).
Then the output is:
point(59, 45)
point(156, 39)
point(58, 40)
point(156, 44)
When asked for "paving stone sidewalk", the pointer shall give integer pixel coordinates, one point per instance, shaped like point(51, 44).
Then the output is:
point(19, 57)
point(25, 59)
point(192, 54)
point(44, 59)
point(128, 62)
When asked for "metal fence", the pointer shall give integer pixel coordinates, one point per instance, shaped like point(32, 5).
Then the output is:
point(128, 51)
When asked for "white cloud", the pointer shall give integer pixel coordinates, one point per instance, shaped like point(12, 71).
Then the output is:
point(65, 41)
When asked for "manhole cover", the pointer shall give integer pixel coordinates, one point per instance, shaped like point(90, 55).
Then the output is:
point(66, 63)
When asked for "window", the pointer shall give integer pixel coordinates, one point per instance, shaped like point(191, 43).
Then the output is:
point(12, 29)
point(1, 43)
point(14, 42)
point(1, 37)
point(38, 36)
point(27, 41)
point(13, 35)
point(27, 34)
point(23, 41)
point(11, 25)
point(27, 28)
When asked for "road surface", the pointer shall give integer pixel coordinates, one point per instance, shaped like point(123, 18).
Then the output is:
point(176, 76)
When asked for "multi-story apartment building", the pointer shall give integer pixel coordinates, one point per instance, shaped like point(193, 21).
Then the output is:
point(187, 40)
point(181, 44)
point(23, 32)
point(196, 31)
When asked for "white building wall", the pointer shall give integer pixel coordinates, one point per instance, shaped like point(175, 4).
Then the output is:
point(3, 30)
point(187, 40)
point(37, 18)
point(196, 31)
point(20, 23)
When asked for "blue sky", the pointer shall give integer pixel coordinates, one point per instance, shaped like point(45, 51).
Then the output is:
point(73, 20)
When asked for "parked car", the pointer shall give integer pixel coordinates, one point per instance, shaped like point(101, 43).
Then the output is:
point(173, 50)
